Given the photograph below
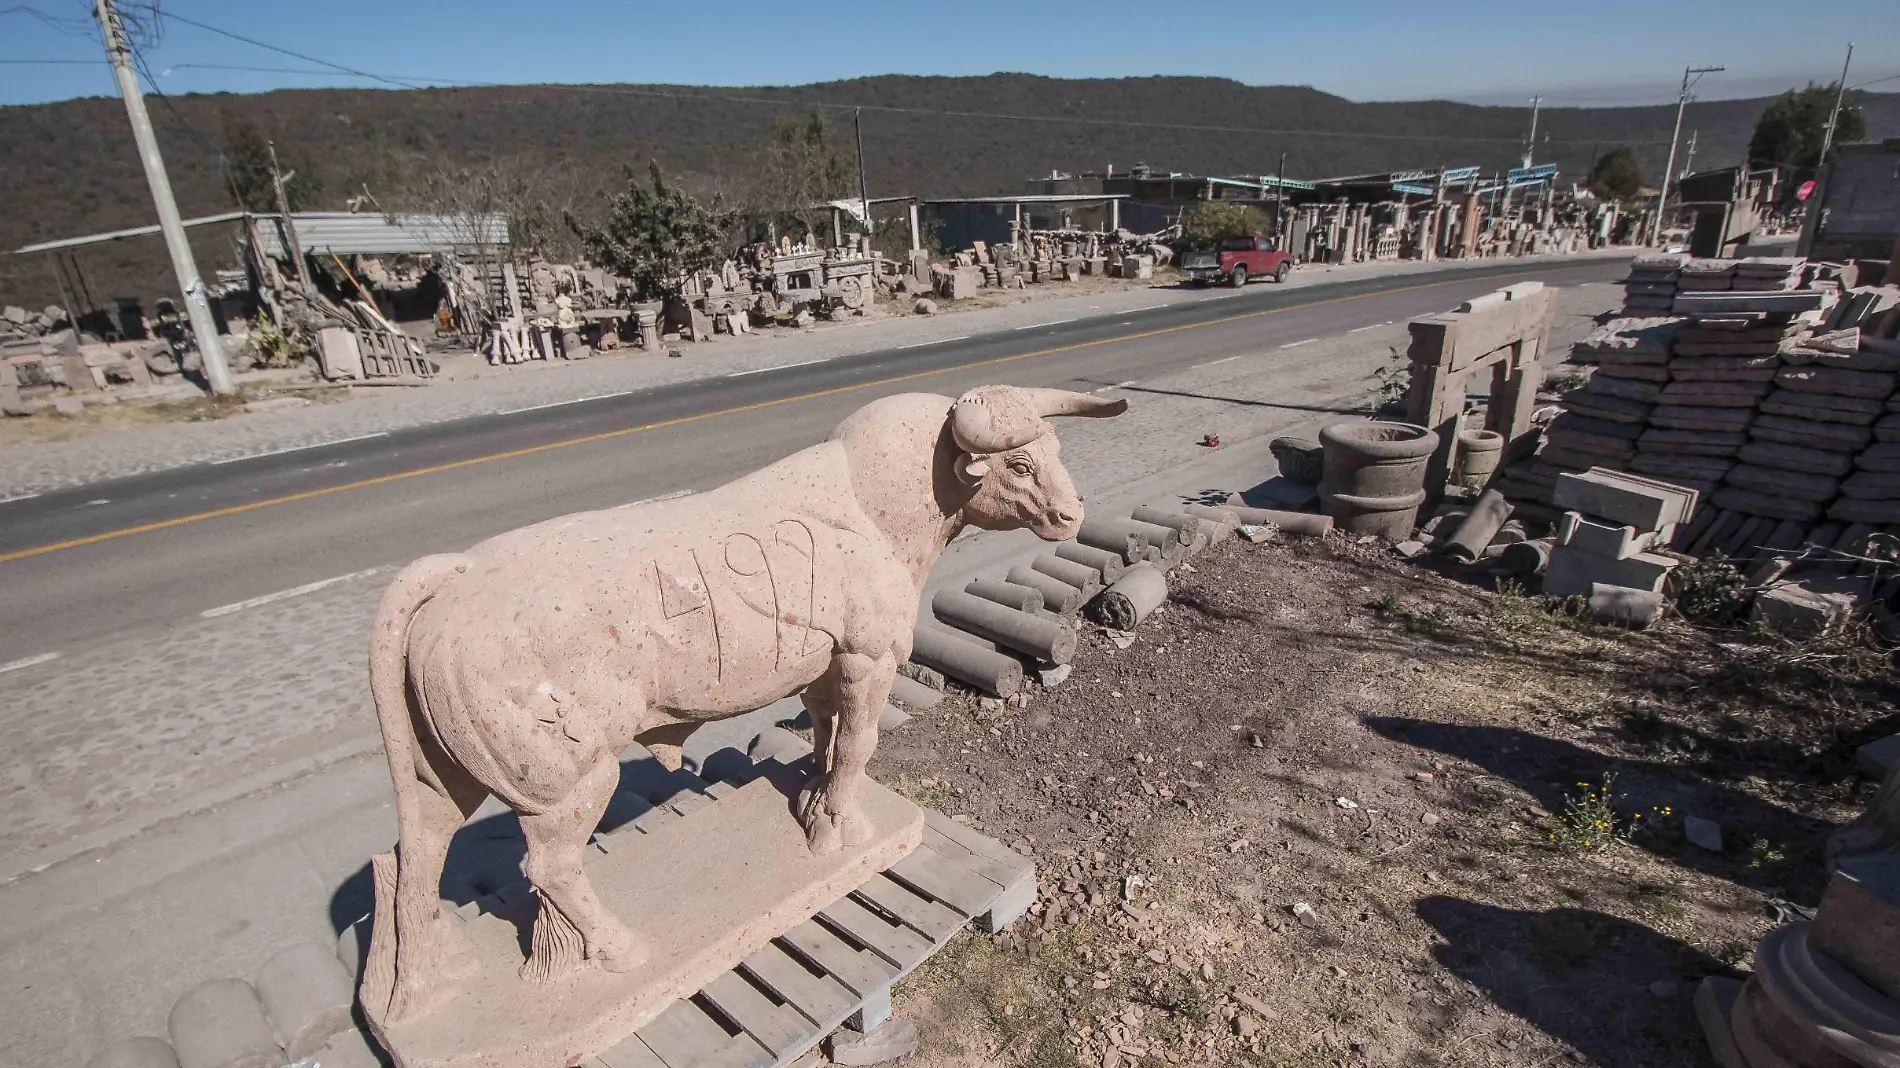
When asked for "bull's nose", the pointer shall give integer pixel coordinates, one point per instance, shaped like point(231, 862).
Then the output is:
point(1065, 516)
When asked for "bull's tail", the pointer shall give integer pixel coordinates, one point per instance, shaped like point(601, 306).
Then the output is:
point(389, 690)
point(389, 656)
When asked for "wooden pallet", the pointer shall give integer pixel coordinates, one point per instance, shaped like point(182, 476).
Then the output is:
point(834, 970)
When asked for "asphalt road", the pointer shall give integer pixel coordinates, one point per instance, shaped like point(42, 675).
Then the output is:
point(81, 565)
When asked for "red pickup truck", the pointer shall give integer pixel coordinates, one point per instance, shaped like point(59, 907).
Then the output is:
point(1237, 259)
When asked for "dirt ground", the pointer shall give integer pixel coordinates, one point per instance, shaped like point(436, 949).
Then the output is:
point(1318, 814)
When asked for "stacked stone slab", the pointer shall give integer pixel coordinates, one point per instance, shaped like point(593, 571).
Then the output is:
point(1613, 520)
point(1771, 399)
point(1650, 288)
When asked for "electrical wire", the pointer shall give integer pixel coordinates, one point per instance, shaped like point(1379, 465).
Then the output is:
point(415, 82)
point(286, 52)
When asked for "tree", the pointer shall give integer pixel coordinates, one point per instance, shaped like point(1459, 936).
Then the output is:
point(1791, 128)
point(655, 236)
point(1210, 220)
point(534, 193)
point(1617, 175)
point(803, 169)
point(246, 153)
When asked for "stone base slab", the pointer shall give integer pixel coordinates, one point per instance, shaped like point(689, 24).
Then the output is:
point(704, 892)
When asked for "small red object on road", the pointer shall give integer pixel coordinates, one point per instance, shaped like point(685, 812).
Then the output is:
point(1211, 441)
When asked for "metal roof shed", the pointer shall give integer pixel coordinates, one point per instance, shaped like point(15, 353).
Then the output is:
point(366, 234)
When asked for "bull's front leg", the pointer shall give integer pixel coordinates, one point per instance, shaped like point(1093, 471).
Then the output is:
point(851, 695)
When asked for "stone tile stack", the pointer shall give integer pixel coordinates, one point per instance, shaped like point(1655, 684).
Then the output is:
point(1650, 288)
point(1612, 522)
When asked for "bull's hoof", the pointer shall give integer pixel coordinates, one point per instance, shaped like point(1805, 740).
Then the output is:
point(830, 826)
point(620, 951)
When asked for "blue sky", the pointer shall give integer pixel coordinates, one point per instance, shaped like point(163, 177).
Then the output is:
point(1606, 52)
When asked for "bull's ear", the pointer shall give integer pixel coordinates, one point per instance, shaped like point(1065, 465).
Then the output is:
point(971, 469)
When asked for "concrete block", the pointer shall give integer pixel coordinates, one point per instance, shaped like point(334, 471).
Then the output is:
point(914, 695)
point(307, 995)
point(1635, 609)
point(1809, 607)
point(1608, 539)
point(1646, 504)
point(1572, 572)
point(221, 1024)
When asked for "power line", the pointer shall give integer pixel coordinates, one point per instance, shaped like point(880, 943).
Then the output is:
point(416, 82)
point(285, 51)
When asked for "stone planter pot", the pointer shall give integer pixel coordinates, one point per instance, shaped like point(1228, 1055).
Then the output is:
point(1375, 476)
point(1478, 454)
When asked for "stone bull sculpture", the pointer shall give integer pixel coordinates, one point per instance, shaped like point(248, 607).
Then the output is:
point(523, 667)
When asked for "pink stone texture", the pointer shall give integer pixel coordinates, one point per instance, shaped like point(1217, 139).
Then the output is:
point(522, 667)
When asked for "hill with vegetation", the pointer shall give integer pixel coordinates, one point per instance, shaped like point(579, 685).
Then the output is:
point(69, 168)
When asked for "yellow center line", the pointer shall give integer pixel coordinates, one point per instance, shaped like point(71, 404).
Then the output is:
point(240, 509)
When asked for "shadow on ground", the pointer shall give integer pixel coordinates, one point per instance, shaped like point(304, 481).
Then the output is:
point(1549, 770)
point(486, 854)
point(1556, 969)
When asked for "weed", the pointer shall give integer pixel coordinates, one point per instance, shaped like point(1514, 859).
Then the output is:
point(1394, 379)
point(1589, 823)
point(1762, 853)
point(1711, 591)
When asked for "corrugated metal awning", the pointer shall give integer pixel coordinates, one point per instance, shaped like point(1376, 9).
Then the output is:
point(344, 233)
point(369, 234)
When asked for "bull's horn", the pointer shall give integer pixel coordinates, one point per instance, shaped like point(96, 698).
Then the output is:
point(994, 419)
point(1048, 402)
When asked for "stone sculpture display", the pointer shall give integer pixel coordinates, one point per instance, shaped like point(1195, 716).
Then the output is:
point(525, 665)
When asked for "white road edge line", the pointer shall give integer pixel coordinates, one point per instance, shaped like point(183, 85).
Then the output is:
point(1053, 322)
point(1297, 344)
point(1226, 359)
point(299, 591)
point(778, 367)
point(939, 341)
point(1118, 385)
point(673, 496)
point(299, 448)
point(559, 403)
point(21, 497)
point(28, 662)
point(1363, 329)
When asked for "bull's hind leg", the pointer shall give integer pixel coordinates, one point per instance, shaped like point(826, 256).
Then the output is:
point(573, 925)
point(850, 697)
point(431, 951)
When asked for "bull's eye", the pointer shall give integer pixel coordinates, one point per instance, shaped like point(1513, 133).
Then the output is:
point(1022, 467)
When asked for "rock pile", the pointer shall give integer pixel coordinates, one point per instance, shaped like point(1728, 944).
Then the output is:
point(1774, 400)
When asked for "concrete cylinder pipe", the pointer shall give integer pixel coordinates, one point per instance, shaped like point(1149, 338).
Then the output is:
point(1009, 594)
point(1107, 563)
point(1044, 639)
point(1305, 524)
point(1194, 532)
point(1139, 592)
point(1057, 596)
point(1080, 575)
point(967, 662)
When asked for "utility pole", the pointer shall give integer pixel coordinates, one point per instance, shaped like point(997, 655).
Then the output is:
point(1689, 77)
point(191, 286)
point(857, 125)
point(1688, 164)
point(1834, 117)
point(286, 225)
point(1530, 146)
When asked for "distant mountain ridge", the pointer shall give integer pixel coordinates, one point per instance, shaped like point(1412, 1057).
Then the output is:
point(68, 168)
